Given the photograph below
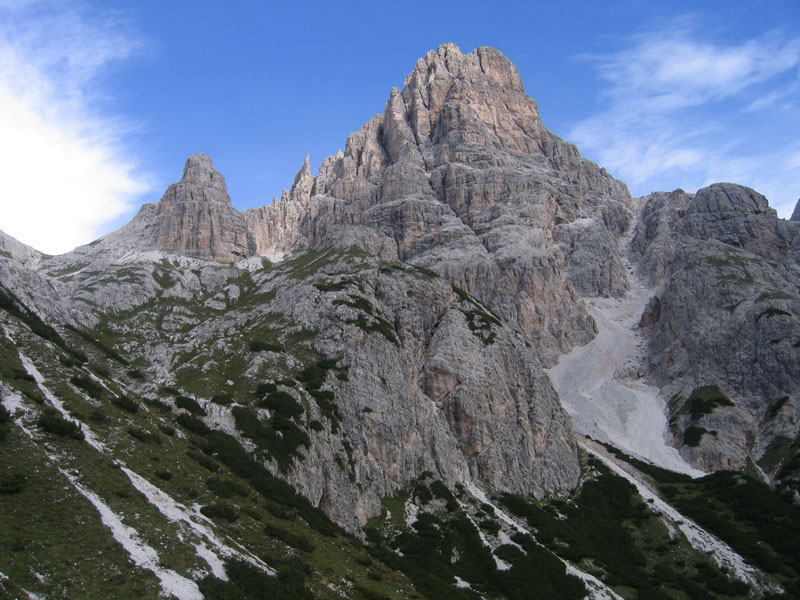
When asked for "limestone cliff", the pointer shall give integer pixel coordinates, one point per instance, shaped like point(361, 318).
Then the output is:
point(725, 316)
point(459, 175)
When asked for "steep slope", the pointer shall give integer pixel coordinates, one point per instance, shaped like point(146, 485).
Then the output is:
point(722, 328)
point(459, 175)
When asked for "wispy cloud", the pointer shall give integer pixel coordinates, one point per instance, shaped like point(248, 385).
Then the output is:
point(683, 111)
point(65, 171)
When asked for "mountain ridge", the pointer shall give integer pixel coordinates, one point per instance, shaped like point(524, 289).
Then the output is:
point(376, 342)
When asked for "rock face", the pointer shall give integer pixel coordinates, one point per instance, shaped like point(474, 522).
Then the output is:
point(459, 175)
point(418, 285)
point(725, 315)
point(195, 217)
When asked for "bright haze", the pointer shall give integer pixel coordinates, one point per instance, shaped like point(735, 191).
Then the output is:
point(101, 102)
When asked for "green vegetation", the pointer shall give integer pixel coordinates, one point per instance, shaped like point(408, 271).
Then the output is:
point(290, 538)
point(125, 403)
point(775, 295)
point(481, 322)
point(262, 346)
point(313, 377)
point(11, 483)
point(13, 306)
point(163, 278)
point(190, 404)
point(693, 435)
point(281, 437)
point(52, 422)
point(5, 421)
point(608, 530)
point(772, 312)
point(227, 450)
point(88, 385)
point(704, 400)
point(193, 424)
point(283, 403)
point(246, 582)
point(221, 510)
point(337, 286)
point(143, 435)
point(761, 524)
point(226, 488)
point(446, 545)
point(104, 348)
point(223, 399)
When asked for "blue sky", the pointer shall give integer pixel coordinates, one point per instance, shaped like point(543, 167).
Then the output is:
point(102, 101)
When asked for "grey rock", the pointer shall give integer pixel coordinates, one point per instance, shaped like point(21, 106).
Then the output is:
point(726, 314)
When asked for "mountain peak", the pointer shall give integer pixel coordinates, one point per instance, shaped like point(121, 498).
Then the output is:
point(199, 170)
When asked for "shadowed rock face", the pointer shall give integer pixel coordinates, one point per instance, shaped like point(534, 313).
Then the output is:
point(726, 313)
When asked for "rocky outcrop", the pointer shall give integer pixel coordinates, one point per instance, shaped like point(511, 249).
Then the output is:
point(459, 175)
point(195, 217)
point(727, 314)
point(434, 395)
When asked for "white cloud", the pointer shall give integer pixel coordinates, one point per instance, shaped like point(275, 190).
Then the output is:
point(65, 173)
point(683, 111)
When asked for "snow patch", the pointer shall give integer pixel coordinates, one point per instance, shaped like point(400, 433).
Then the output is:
point(461, 584)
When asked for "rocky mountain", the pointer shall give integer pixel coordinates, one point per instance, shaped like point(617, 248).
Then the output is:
point(413, 375)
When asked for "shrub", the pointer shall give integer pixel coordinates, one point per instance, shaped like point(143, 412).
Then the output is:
point(11, 483)
point(226, 488)
point(159, 404)
point(283, 403)
point(166, 474)
point(295, 540)
point(190, 404)
point(490, 525)
point(88, 385)
point(705, 399)
point(97, 416)
point(203, 460)
point(282, 447)
point(262, 346)
point(142, 435)
point(262, 389)
point(125, 403)
point(223, 399)
point(247, 582)
point(221, 510)
point(193, 424)
point(229, 451)
point(279, 511)
point(52, 422)
point(693, 435)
